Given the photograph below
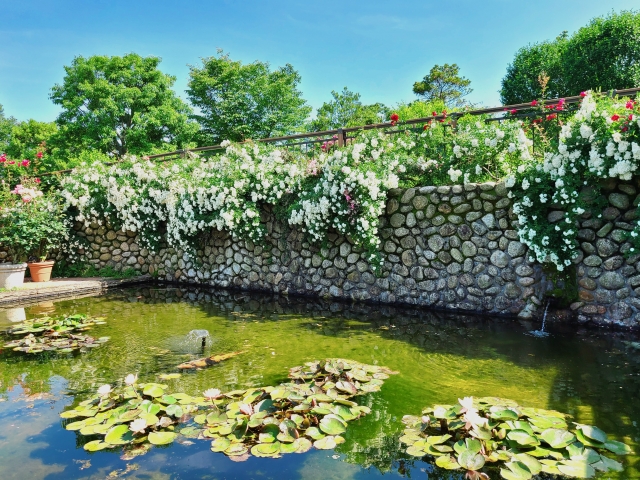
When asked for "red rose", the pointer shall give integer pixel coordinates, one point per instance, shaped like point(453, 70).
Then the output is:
point(513, 112)
point(394, 117)
point(39, 154)
point(25, 163)
point(583, 94)
point(615, 117)
point(534, 103)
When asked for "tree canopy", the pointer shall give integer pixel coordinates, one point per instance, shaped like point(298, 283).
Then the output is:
point(445, 84)
point(605, 54)
point(236, 102)
point(6, 124)
point(30, 137)
point(120, 105)
point(346, 110)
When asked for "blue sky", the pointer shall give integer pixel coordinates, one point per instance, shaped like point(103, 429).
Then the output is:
point(377, 48)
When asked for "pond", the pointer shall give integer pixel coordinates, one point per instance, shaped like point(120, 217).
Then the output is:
point(592, 375)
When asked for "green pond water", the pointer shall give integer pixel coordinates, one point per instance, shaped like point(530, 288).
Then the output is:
point(592, 375)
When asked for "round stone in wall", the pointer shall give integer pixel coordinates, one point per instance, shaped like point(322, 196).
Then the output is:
point(500, 259)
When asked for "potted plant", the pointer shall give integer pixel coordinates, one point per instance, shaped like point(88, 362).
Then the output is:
point(32, 225)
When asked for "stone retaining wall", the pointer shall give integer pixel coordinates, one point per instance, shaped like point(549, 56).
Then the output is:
point(450, 247)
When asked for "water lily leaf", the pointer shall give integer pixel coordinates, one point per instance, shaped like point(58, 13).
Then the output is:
point(236, 450)
point(152, 408)
point(266, 449)
point(75, 425)
point(437, 440)
point(220, 444)
point(521, 437)
point(70, 414)
point(618, 448)
point(594, 433)
point(447, 462)
point(302, 445)
point(471, 460)
point(326, 443)
point(153, 390)
point(516, 471)
point(168, 399)
point(588, 455)
point(161, 438)
point(347, 387)
point(558, 438)
point(575, 449)
point(460, 446)
point(576, 469)
point(119, 435)
point(174, 411)
point(169, 376)
point(605, 464)
point(500, 413)
point(95, 446)
point(532, 464)
point(130, 415)
point(215, 418)
point(332, 426)
point(415, 451)
point(314, 433)
point(587, 441)
point(473, 445)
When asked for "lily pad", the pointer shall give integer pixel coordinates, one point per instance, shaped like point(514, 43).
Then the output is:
point(557, 438)
point(447, 462)
point(332, 426)
point(161, 438)
point(119, 435)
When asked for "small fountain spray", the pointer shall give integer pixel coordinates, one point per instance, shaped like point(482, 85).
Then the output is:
point(199, 335)
point(541, 333)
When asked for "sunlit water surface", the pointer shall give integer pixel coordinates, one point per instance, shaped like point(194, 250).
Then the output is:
point(592, 375)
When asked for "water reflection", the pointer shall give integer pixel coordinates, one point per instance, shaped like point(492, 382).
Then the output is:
point(592, 375)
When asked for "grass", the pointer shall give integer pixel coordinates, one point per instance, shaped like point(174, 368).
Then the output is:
point(63, 269)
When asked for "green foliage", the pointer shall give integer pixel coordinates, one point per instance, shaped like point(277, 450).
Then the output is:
point(444, 84)
point(6, 125)
point(536, 72)
point(32, 225)
point(66, 269)
point(602, 55)
point(28, 138)
point(55, 334)
point(346, 110)
point(312, 409)
point(481, 431)
point(420, 109)
point(119, 105)
point(236, 102)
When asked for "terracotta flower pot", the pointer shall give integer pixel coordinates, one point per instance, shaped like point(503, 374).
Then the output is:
point(12, 274)
point(41, 271)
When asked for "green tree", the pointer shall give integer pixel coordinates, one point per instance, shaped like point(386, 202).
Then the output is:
point(237, 102)
point(444, 83)
point(120, 105)
point(6, 124)
point(605, 54)
point(535, 72)
point(27, 138)
point(346, 110)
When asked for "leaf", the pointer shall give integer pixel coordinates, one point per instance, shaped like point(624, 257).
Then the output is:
point(302, 445)
point(523, 438)
point(437, 440)
point(605, 464)
point(532, 464)
point(594, 433)
point(517, 471)
point(153, 390)
point(558, 438)
point(314, 433)
point(415, 452)
point(326, 443)
point(471, 460)
point(119, 435)
point(161, 438)
point(332, 426)
point(266, 449)
point(447, 462)
point(576, 469)
point(95, 446)
point(618, 448)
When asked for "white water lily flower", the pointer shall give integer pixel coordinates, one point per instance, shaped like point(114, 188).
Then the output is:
point(212, 393)
point(138, 425)
point(104, 390)
point(131, 379)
